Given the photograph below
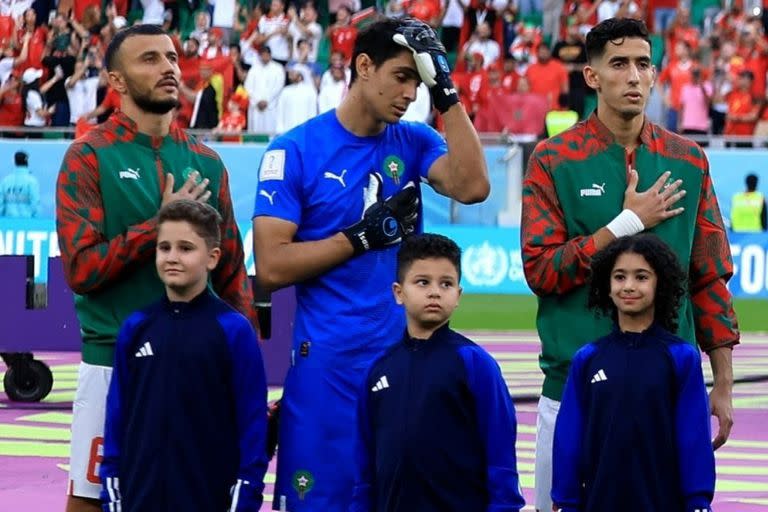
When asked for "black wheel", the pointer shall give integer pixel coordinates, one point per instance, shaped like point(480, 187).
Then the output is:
point(28, 381)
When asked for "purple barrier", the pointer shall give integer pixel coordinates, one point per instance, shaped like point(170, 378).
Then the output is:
point(277, 349)
point(55, 328)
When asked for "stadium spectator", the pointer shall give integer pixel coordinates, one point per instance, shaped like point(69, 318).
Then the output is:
point(748, 209)
point(193, 337)
point(562, 223)
point(450, 29)
point(205, 113)
point(11, 61)
point(333, 87)
point(471, 428)
point(743, 110)
point(428, 11)
point(651, 382)
point(617, 9)
point(315, 183)
point(233, 122)
point(481, 43)
point(681, 31)
point(472, 84)
point(572, 52)
point(547, 76)
point(342, 34)
point(12, 111)
point(263, 84)
point(557, 121)
point(20, 190)
point(273, 30)
point(336, 62)
point(695, 99)
point(298, 100)
point(37, 113)
point(305, 27)
point(103, 243)
point(37, 37)
point(82, 86)
point(673, 77)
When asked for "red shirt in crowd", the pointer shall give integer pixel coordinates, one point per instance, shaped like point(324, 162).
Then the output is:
point(676, 74)
point(11, 113)
point(547, 80)
point(343, 40)
point(740, 103)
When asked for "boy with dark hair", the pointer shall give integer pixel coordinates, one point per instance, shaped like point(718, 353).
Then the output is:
point(187, 403)
point(437, 425)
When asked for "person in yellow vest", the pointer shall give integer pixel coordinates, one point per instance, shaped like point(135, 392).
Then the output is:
point(748, 211)
point(561, 119)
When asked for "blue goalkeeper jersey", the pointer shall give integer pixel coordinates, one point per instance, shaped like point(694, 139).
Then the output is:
point(314, 176)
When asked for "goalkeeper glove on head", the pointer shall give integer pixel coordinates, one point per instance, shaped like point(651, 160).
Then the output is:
point(431, 62)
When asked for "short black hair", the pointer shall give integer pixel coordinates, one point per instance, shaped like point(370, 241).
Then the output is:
point(614, 29)
point(670, 277)
point(425, 246)
point(376, 41)
point(203, 218)
point(21, 158)
point(751, 181)
point(110, 56)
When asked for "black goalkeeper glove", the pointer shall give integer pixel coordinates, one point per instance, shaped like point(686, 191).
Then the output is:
point(431, 62)
point(384, 223)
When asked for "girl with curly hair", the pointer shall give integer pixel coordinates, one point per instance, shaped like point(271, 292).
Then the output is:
point(633, 432)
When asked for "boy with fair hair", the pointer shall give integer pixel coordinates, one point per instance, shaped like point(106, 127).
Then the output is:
point(187, 404)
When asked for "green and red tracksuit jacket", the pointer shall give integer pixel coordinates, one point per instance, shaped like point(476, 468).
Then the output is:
point(108, 193)
point(574, 186)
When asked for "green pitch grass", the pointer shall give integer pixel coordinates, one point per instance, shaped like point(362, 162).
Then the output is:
point(518, 312)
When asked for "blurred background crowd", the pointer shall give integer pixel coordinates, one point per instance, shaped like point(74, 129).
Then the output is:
point(261, 68)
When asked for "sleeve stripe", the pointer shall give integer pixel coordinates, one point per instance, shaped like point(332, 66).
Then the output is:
point(236, 494)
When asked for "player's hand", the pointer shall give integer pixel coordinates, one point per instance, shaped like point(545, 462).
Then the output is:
point(273, 427)
point(656, 204)
point(384, 223)
point(191, 189)
point(431, 62)
point(721, 405)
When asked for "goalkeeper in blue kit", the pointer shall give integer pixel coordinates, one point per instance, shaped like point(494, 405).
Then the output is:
point(335, 197)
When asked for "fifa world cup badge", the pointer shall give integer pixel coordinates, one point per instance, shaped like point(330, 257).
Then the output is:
point(393, 167)
point(303, 481)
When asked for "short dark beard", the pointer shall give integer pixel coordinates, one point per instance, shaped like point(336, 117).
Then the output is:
point(151, 106)
point(147, 104)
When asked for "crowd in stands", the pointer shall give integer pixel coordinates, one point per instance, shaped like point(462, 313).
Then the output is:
point(266, 67)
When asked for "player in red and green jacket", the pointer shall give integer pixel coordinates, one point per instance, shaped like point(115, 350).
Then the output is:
point(111, 185)
point(612, 175)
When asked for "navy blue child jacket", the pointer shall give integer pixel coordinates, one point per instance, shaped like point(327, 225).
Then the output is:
point(633, 431)
point(186, 411)
point(437, 431)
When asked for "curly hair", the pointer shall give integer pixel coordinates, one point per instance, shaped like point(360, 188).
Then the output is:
point(670, 277)
point(203, 218)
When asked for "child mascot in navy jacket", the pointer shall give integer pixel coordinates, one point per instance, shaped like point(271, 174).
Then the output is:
point(633, 432)
point(187, 404)
point(436, 422)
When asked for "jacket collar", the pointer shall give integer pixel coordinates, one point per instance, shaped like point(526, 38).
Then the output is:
point(603, 134)
point(129, 126)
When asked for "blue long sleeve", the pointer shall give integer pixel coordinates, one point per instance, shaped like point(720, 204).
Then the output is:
point(567, 474)
point(498, 429)
point(362, 499)
point(250, 388)
point(693, 432)
point(114, 423)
